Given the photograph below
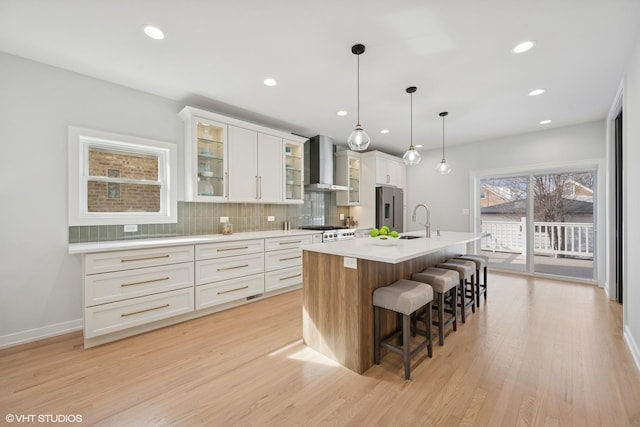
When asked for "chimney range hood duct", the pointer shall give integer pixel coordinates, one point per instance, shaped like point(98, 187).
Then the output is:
point(318, 165)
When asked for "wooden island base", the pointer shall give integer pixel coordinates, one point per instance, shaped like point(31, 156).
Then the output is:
point(337, 312)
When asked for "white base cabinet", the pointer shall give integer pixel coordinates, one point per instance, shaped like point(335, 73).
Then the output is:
point(113, 317)
point(131, 291)
point(217, 293)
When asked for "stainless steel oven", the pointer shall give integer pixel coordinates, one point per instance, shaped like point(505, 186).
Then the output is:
point(332, 233)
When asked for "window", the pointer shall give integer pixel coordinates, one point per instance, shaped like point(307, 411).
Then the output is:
point(118, 179)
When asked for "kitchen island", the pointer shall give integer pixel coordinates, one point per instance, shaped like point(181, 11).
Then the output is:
point(338, 283)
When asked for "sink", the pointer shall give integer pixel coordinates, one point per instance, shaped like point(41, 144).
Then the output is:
point(410, 237)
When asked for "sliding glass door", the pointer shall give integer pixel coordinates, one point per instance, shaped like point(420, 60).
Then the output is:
point(503, 216)
point(539, 222)
point(563, 228)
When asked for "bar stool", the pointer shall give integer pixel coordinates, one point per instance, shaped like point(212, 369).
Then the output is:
point(466, 271)
point(441, 281)
point(404, 297)
point(481, 262)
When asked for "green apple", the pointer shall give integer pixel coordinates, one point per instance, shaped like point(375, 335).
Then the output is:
point(374, 232)
point(394, 233)
point(384, 231)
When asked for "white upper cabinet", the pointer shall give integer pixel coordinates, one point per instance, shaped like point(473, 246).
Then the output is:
point(229, 160)
point(390, 171)
point(255, 164)
point(348, 174)
point(243, 162)
point(294, 171)
point(205, 159)
point(270, 166)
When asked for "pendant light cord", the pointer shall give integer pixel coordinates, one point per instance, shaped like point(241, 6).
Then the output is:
point(443, 137)
point(358, 90)
point(411, 121)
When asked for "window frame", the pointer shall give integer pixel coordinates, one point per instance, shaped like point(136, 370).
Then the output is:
point(81, 140)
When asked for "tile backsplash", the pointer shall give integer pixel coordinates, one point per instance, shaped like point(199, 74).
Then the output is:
point(204, 218)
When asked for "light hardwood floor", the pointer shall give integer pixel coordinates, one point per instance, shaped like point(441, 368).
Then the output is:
point(540, 352)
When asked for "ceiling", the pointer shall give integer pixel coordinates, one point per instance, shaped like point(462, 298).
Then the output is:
point(216, 55)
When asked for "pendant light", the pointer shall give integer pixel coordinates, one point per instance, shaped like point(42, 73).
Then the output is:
point(358, 139)
point(443, 167)
point(411, 157)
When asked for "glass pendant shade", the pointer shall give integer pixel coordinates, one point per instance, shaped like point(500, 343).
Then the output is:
point(358, 139)
point(443, 167)
point(411, 157)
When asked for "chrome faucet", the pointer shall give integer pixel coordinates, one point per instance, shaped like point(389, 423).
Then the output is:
point(427, 226)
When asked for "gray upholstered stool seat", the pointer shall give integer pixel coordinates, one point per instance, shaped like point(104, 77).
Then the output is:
point(404, 297)
point(482, 262)
point(466, 270)
point(441, 281)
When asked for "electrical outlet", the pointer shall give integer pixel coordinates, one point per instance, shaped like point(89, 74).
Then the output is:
point(271, 218)
point(350, 262)
point(341, 217)
point(131, 228)
point(224, 219)
point(465, 211)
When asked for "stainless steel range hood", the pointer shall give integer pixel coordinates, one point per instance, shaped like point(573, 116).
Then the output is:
point(318, 165)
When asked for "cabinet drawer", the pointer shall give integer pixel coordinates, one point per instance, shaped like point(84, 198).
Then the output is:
point(115, 316)
point(105, 262)
point(282, 259)
point(282, 278)
point(218, 269)
point(288, 242)
point(229, 290)
point(109, 287)
point(226, 249)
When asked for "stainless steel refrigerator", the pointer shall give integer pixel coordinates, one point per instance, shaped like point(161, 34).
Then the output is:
point(389, 208)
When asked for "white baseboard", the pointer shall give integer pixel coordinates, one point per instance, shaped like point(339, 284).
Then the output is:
point(39, 333)
point(633, 346)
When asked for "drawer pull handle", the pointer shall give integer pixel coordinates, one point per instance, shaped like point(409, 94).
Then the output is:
point(123, 285)
point(144, 311)
point(233, 290)
point(144, 259)
point(234, 267)
point(232, 249)
point(290, 242)
point(291, 277)
point(290, 258)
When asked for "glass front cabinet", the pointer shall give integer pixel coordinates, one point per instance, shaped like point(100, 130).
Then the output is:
point(206, 160)
point(294, 171)
point(348, 174)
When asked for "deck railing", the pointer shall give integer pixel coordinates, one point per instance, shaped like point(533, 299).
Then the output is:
point(549, 238)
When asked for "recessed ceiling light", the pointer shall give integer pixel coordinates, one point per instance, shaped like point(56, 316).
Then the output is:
point(384, 131)
point(523, 47)
point(153, 32)
point(536, 92)
point(270, 82)
point(418, 146)
point(545, 122)
point(342, 113)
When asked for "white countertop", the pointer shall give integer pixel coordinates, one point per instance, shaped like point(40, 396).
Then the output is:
point(117, 245)
point(396, 250)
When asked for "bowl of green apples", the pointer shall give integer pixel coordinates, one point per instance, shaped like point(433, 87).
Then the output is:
point(384, 236)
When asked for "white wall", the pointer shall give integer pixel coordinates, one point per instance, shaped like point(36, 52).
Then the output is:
point(40, 284)
point(631, 203)
point(448, 195)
